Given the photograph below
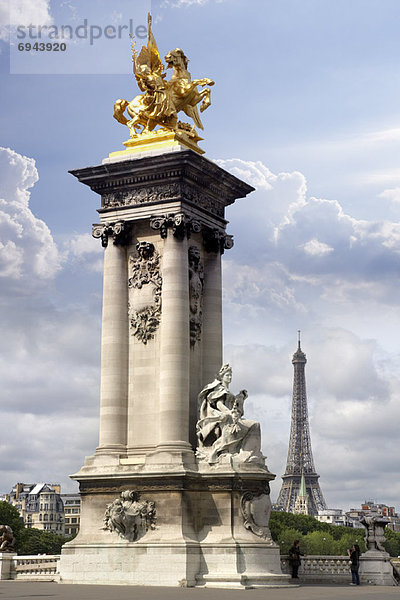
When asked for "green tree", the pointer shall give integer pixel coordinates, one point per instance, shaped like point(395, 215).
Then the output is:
point(286, 538)
point(9, 515)
point(392, 544)
point(348, 539)
point(35, 541)
point(319, 543)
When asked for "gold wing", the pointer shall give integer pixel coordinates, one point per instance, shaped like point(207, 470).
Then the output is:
point(156, 64)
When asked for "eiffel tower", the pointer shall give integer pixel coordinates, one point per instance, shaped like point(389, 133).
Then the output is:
point(300, 458)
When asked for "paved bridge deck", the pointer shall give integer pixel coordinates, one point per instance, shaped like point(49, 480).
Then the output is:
point(54, 591)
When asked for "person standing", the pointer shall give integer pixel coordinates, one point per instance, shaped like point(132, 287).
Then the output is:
point(354, 555)
point(294, 558)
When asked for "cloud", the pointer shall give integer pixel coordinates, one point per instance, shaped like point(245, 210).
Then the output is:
point(49, 366)
point(392, 194)
point(23, 12)
point(27, 250)
point(316, 248)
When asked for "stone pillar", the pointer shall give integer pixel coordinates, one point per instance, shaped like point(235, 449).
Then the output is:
point(6, 563)
point(114, 344)
point(174, 345)
point(212, 317)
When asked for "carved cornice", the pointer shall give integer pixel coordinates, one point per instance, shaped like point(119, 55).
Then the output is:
point(181, 225)
point(119, 231)
point(181, 175)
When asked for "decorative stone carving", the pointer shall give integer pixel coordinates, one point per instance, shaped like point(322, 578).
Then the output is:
point(144, 271)
point(144, 323)
point(196, 284)
point(256, 510)
point(221, 429)
point(197, 197)
point(155, 193)
point(118, 230)
point(7, 539)
point(180, 224)
point(216, 240)
point(375, 532)
point(129, 516)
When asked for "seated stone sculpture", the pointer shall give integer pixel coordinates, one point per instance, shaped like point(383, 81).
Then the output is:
point(221, 429)
point(7, 539)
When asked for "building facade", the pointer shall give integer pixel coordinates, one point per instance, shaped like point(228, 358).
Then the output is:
point(40, 505)
point(72, 513)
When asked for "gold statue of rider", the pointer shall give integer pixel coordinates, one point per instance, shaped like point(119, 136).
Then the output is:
point(162, 100)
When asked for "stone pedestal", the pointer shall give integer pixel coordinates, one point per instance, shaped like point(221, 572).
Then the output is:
point(376, 568)
point(169, 522)
point(6, 561)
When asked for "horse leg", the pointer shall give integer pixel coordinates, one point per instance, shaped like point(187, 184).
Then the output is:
point(206, 99)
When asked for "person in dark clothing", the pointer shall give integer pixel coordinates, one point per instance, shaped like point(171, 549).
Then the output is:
point(354, 555)
point(294, 558)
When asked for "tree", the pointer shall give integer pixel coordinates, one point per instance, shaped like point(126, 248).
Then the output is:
point(392, 544)
point(35, 541)
point(286, 538)
point(9, 515)
point(319, 543)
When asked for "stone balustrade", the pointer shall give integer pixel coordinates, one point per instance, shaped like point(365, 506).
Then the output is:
point(321, 569)
point(314, 569)
point(40, 567)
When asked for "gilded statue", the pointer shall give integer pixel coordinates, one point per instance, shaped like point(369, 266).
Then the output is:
point(162, 100)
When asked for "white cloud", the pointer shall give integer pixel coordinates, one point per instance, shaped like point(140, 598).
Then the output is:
point(316, 248)
point(23, 12)
point(49, 365)
point(27, 247)
point(392, 194)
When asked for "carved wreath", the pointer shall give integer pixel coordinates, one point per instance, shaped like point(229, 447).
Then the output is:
point(129, 516)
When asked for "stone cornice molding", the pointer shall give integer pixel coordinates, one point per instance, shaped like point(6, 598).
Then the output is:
point(184, 176)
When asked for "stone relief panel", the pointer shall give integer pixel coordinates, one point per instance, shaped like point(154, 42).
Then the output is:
point(145, 285)
point(196, 284)
point(158, 193)
point(129, 516)
point(256, 510)
point(155, 193)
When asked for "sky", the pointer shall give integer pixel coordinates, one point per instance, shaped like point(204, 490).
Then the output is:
point(306, 109)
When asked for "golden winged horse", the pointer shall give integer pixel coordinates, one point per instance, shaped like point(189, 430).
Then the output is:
point(162, 100)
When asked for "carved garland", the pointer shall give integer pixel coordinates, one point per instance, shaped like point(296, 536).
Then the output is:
point(196, 284)
point(145, 270)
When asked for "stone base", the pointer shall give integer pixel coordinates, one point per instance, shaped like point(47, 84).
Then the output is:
point(206, 533)
point(6, 561)
point(376, 568)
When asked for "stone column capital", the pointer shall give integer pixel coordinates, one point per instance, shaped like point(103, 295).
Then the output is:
point(216, 240)
point(118, 231)
point(182, 226)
